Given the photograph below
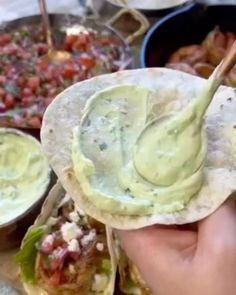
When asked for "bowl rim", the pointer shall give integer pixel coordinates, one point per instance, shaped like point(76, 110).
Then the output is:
point(163, 20)
point(75, 19)
point(148, 9)
point(5, 24)
point(158, 24)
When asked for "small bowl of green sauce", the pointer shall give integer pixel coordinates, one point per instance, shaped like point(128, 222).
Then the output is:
point(25, 178)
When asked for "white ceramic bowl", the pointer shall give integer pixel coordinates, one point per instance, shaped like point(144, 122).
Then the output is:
point(149, 4)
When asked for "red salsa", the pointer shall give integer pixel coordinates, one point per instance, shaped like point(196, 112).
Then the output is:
point(29, 81)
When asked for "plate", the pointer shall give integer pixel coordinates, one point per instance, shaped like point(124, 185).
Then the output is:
point(149, 4)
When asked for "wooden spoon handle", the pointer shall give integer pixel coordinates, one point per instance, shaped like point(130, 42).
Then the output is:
point(202, 102)
point(228, 62)
point(222, 69)
point(46, 23)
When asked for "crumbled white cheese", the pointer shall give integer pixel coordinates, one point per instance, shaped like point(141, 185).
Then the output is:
point(88, 238)
point(71, 231)
point(74, 216)
point(73, 246)
point(48, 240)
point(100, 282)
point(100, 246)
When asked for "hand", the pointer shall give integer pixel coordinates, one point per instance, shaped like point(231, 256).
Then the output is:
point(177, 261)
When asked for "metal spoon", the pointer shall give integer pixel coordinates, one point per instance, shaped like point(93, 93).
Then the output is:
point(53, 54)
point(172, 148)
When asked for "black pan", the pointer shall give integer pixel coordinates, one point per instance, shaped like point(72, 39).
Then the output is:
point(188, 25)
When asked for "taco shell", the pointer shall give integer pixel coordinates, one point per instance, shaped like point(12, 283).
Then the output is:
point(27, 258)
point(173, 90)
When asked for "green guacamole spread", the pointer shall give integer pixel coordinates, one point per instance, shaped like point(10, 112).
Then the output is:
point(24, 174)
point(118, 157)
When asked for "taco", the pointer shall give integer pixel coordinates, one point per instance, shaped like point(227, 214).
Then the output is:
point(101, 119)
point(66, 252)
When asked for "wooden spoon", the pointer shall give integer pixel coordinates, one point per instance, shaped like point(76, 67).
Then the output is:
point(53, 54)
point(173, 147)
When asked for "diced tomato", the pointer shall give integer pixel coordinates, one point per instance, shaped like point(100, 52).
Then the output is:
point(27, 92)
point(68, 71)
point(5, 39)
point(33, 82)
point(87, 61)
point(69, 41)
point(3, 79)
point(2, 107)
point(9, 101)
point(34, 122)
point(81, 43)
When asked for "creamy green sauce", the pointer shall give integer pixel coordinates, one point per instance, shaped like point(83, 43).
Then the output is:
point(125, 166)
point(177, 146)
point(24, 174)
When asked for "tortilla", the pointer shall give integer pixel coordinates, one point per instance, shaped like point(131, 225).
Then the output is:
point(52, 201)
point(174, 90)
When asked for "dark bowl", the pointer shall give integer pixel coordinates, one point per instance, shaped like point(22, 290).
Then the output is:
point(188, 25)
